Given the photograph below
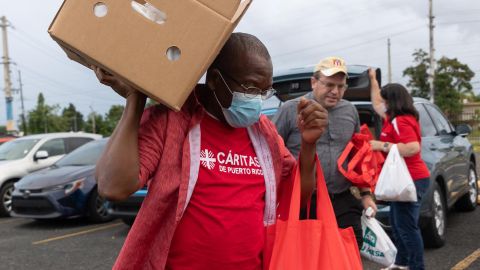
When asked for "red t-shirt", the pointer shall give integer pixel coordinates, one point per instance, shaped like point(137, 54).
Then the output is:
point(408, 131)
point(222, 227)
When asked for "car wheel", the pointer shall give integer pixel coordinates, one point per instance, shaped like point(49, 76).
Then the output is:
point(469, 201)
point(97, 209)
point(128, 220)
point(6, 199)
point(435, 228)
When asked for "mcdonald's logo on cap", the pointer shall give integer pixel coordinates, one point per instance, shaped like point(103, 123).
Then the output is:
point(330, 66)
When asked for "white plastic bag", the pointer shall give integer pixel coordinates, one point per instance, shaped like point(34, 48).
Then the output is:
point(377, 246)
point(395, 182)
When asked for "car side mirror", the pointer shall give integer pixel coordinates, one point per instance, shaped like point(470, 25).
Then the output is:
point(41, 155)
point(463, 130)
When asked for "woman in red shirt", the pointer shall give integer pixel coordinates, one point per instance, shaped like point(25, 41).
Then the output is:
point(395, 105)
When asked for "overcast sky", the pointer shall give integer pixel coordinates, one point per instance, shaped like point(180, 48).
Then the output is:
point(297, 33)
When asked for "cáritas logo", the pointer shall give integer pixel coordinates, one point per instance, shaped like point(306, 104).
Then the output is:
point(207, 159)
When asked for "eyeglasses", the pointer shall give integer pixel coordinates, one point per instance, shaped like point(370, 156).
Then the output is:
point(250, 91)
point(330, 86)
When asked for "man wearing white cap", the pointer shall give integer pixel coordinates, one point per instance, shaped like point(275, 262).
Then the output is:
point(329, 82)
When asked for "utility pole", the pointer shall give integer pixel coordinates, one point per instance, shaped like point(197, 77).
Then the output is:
point(6, 75)
point(45, 124)
point(93, 120)
point(389, 63)
point(75, 121)
point(24, 122)
point(431, 77)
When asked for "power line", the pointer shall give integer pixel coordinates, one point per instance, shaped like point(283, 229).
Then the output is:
point(451, 12)
point(337, 49)
point(35, 46)
point(82, 94)
point(458, 22)
point(46, 52)
point(58, 83)
point(301, 21)
point(35, 40)
point(349, 38)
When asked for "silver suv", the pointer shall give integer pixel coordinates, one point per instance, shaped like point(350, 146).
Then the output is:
point(24, 155)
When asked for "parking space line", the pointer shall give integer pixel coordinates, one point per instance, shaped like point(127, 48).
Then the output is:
point(467, 261)
point(9, 221)
point(77, 233)
point(478, 196)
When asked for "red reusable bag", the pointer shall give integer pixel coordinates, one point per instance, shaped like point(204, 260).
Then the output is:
point(364, 164)
point(312, 243)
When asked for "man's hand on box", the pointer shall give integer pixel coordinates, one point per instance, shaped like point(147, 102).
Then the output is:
point(116, 84)
point(312, 120)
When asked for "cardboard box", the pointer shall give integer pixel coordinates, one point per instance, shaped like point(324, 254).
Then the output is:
point(111, 34)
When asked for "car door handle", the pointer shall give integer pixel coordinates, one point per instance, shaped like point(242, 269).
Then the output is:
point(433, 147)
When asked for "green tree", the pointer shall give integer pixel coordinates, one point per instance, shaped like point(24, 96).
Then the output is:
point(419, 74)
point(98, 126)
point(459, 77)
point(452, 81)
point(476, 98)
point(111, 119)
point(3, 130)
point(72, 120)
point(43, 118)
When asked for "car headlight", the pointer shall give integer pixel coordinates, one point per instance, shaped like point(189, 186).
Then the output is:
point(73, 186)
point(54, 188)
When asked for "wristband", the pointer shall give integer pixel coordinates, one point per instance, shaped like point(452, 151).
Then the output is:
point(385, 147)
point(365, 193)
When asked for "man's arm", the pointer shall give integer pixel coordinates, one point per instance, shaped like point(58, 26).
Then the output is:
point(307, 172)
point(312, 121)
point(367, 200)
point(365, 193)
point(117, 169)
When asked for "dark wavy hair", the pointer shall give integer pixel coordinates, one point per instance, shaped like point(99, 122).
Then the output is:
point(398, 101)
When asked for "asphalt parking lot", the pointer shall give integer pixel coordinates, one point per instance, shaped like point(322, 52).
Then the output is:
point(59, 244)
point(76, 244)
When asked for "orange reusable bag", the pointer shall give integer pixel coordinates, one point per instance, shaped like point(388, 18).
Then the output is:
point(364, 164)
point(311, 244)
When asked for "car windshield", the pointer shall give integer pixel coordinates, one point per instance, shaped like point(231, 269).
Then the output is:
point(16, 149)
point(87, 154)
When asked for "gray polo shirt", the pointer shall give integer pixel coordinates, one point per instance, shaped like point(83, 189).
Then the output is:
point(343, 122)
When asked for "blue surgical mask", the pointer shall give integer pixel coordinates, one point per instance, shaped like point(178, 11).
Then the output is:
point(244, 111)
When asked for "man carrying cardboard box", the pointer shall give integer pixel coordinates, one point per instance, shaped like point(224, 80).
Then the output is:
point(214, 169)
